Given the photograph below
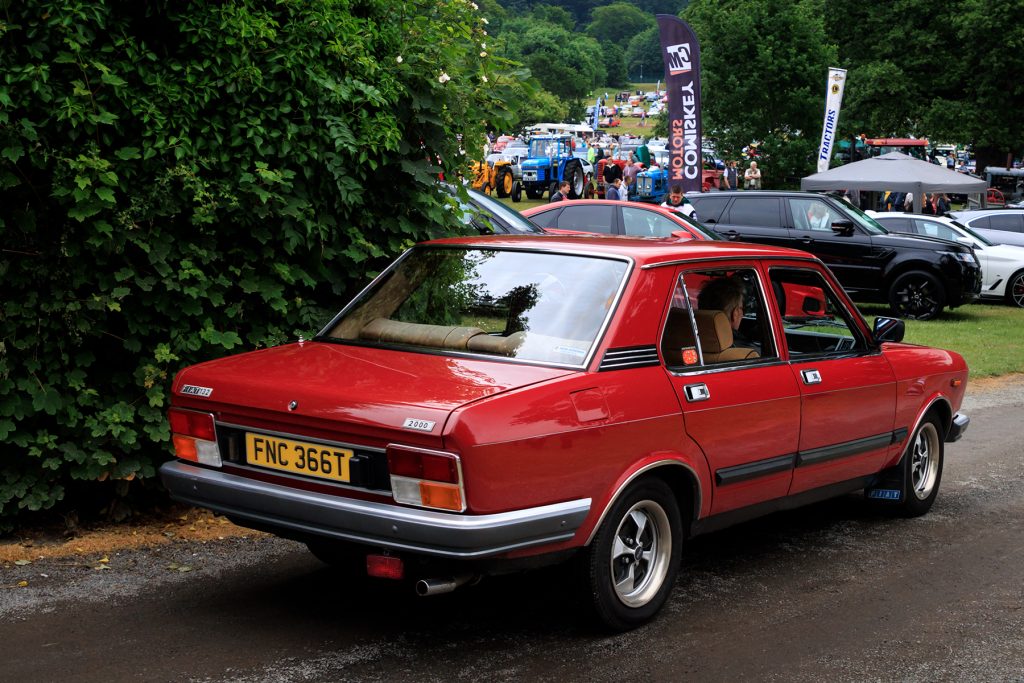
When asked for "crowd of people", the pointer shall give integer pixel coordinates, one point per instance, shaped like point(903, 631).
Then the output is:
point(935, 203)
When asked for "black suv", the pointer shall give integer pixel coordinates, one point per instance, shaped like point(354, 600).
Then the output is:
point(916, 275)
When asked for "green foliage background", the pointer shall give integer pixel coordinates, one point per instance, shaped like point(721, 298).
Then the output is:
point(184, 180)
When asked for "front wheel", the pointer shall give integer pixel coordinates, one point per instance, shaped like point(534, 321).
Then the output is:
point(916, 295)
point(634, 558)
point(517, 191)
point(1015, 290)
point(922, 468)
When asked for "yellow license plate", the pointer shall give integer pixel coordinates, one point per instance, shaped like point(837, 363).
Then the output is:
point(298, 457)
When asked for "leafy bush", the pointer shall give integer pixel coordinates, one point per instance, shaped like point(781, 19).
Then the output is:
point(181, 180)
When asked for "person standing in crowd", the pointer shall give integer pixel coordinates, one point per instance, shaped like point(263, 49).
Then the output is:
point(942, 204)
point(562, 194)
point(611, 169)
point(752, 177)
point(627, 188)
point(630, 171)
point(677, 201)
point(928, 204)
point(612, 191)
point(908, 202)
point(731, 177)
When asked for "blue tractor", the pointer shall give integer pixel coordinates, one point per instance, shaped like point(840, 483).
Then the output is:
point(551, 161)
point(652, 184)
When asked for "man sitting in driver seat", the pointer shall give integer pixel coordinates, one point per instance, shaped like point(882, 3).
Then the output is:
point(720, 313)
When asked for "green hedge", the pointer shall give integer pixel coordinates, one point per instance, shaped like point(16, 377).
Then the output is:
point(182, 180)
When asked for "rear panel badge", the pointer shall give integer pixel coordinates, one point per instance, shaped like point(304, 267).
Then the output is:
point(191, 390)
point(418, 425)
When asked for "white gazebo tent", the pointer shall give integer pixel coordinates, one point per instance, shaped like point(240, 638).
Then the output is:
point(896, 172)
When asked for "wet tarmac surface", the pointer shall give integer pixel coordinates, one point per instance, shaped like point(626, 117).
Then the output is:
point(832, 592)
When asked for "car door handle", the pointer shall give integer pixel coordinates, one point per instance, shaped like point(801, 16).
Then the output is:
point(697, 392)
point(732, 234)
point(807, 240)
point(811, 376)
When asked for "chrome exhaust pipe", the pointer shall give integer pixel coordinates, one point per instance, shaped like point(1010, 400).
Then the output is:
point(425, 587)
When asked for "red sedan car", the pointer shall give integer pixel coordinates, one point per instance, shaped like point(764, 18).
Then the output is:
point(609, 217)
point(508, 401)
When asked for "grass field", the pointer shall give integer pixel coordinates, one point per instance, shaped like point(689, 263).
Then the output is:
point(988, 336)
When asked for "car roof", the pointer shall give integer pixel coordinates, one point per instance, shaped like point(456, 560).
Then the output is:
point(645, 251)
point(540, 208)
point(971, 213)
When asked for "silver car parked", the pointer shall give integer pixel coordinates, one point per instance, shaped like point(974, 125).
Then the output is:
point(999, 226)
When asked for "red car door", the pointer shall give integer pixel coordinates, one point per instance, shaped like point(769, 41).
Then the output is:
point(743, 412)
point(847, 387)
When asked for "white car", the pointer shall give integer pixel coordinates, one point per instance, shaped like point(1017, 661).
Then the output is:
point(1002, 265)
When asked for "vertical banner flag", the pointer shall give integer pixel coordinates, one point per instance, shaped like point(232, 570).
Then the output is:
point(597, 114)
point(833, 101)
point(681, 53)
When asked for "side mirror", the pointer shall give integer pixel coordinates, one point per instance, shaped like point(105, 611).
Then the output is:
point(966, 240)
point(843, 228)
point(682, 235)
point(889, 330)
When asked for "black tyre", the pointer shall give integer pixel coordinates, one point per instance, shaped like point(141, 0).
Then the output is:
point(922, 467)
point(1015, 290)
point(552, 189)
point(577, 179)
point(504, 182)
point(534, 193)
point(588, 192)
point(632, 563)
point(517, 191)
point(917, 295)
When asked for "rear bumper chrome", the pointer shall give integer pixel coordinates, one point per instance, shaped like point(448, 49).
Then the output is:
point(957, 427)
point(422, 531)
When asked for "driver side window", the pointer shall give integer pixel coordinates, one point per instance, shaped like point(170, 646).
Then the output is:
point(814, 320)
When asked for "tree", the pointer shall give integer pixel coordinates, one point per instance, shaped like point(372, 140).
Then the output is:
point(568, 65)
point(944, 78)
point(763, 67)
point(184, 180)
point(618, 23)
point(643, 55)
point(614, 58)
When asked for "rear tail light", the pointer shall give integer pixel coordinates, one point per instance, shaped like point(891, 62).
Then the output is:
point(194, 435)
point(430, 479)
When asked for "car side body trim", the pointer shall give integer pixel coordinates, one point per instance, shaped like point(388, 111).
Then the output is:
point(752, 470)
point(842, 450)
point(427, 532)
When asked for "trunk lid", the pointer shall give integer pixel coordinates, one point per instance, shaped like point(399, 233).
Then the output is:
point(350, 388)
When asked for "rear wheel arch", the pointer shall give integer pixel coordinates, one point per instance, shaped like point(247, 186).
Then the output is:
point(678, 475)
